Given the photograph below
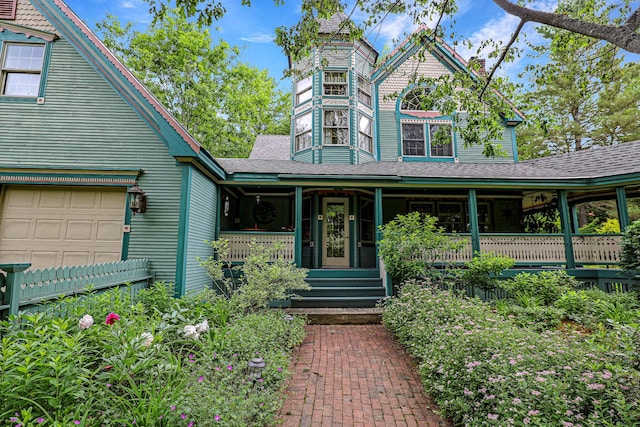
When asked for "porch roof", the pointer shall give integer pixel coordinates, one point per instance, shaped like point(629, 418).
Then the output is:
point(603, 162)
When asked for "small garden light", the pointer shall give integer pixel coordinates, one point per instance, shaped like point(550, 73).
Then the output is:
point(256, 365)
point(288, 318)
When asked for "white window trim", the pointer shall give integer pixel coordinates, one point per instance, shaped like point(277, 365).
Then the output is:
point(303, 90)
point(306, 131)
point(370, 135)
point(424, 140)
point(326, 84)
point(325, 127)
point(5, 71)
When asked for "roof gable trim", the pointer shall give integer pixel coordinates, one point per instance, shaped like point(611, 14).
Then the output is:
point(29, 32)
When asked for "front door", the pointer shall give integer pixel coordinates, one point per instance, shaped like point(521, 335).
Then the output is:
point(335, 232)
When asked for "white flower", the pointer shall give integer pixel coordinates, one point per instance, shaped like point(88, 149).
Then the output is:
point(86, 321)
point(203, 326)
point(147, 339)
point(191, 332)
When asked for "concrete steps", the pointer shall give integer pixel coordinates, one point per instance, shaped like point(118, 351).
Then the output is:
point(339, 316)
point(340, 292)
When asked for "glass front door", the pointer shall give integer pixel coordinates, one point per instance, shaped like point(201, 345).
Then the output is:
point(335, 232)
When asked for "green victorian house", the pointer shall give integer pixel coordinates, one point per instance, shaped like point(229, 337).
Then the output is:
point(79, 132)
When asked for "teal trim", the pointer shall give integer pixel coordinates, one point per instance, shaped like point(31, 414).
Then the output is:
point(563, 206)
point(514, 143)
point(377, 200)
point(338, 273)
point(473, 220)
point(574, 219)
point(298, 227)
point(317, 226)
point(623, 210)
point(354, 208)
point(220, 206)
point(183, 227)
point(126, 237)
point(376, 115)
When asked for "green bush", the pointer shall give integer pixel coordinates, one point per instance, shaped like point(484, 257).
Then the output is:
point(149, 360)
point(630, 248)
point(485, 370)
point(547, 286)
point(594, 306)
point(483, 269)
point(263, 277)
point(412, 245)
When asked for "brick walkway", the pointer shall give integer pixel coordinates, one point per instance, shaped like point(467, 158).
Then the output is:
point(355, 375)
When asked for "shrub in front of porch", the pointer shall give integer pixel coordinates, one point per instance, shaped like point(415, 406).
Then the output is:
point(484, 369)
point(263, 277)
point(152, 360)
point(413, 245)
point(630, 254)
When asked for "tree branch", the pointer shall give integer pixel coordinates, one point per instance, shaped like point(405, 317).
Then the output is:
point(502, 56)
point(624, 36)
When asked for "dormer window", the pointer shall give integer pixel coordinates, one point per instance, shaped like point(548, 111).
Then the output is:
point(304, 90)
point(22, 69)
point(8, 9)
point(335, 83)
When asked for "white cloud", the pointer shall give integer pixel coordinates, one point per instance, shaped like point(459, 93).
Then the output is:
point(258, 38)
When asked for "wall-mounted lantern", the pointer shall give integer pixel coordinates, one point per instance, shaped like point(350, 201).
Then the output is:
point(137, 199)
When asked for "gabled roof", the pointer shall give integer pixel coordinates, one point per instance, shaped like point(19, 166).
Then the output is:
point(441, 50)
point(142, 101)
point(274, 147)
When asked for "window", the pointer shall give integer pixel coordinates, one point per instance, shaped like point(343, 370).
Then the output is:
point(8, 9)
point(440, 140)
point(336, 127)
point(303, 132)
point(415, 100)
point(304, 90)
point(365, 141)
point(413, 139)
point(364, 91)
point(335, 83)
point(21, 69)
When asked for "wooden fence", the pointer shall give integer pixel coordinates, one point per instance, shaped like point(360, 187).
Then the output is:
point(25, 290)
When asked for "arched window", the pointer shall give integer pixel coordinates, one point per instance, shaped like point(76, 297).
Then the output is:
point(415, 100)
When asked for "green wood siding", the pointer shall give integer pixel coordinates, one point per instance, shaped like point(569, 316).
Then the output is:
point(388, 140)
point(304, 156)
point(365, 157)
point(202, 226)
point(474, 153)
point(338, 155)
point(84, 123)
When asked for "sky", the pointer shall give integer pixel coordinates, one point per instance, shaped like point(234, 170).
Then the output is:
point(252, 28)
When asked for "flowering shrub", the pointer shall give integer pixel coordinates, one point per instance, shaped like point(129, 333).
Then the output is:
point(484, 369)
point(139, 367)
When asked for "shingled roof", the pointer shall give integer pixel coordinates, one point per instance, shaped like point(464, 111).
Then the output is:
point(595, 163)
point(271, 147)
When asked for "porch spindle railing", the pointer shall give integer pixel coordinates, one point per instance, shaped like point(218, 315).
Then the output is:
point(239, 243)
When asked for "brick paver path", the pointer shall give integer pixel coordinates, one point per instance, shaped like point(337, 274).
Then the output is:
point(355, 375)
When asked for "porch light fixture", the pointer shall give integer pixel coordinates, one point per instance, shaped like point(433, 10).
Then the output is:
point(256, 365)
point(226, 206)
point(257, 200)
point(137, 199)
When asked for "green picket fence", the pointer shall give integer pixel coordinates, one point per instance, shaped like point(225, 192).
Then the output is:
point(31, 290)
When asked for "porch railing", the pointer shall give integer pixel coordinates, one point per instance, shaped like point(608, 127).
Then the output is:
point(597, 248)
point(28, 290)
point(526, 249)
point(239, 243)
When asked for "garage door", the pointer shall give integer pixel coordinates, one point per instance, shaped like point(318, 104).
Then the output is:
point(54, 226)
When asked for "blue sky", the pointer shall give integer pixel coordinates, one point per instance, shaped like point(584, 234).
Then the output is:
point(252, 28)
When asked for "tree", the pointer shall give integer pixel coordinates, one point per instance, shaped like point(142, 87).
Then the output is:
point(477, 94)
point(220, 101)
point(581, 94)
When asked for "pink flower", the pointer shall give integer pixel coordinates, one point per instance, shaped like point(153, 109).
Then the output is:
point(516, 401)
point(535, 392)
point(190, 424)
point(279, 369)
point(526, 421)
point(533, 412)
point(595, 386)
point(200, 378)
point(217, 418)
point(183, 416)
point(40, 420)
point(85, 322)
point(230, 367)
point(492, 416)
point(76, 422)
point(110, 320)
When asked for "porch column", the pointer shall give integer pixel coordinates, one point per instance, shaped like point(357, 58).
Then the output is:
point(297, 244)
point(623, 211)
point(473, 222)
point(574, 219)
point(377, 220)
point(563, 207)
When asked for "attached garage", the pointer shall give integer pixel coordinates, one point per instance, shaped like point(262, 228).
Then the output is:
point(60, 226)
